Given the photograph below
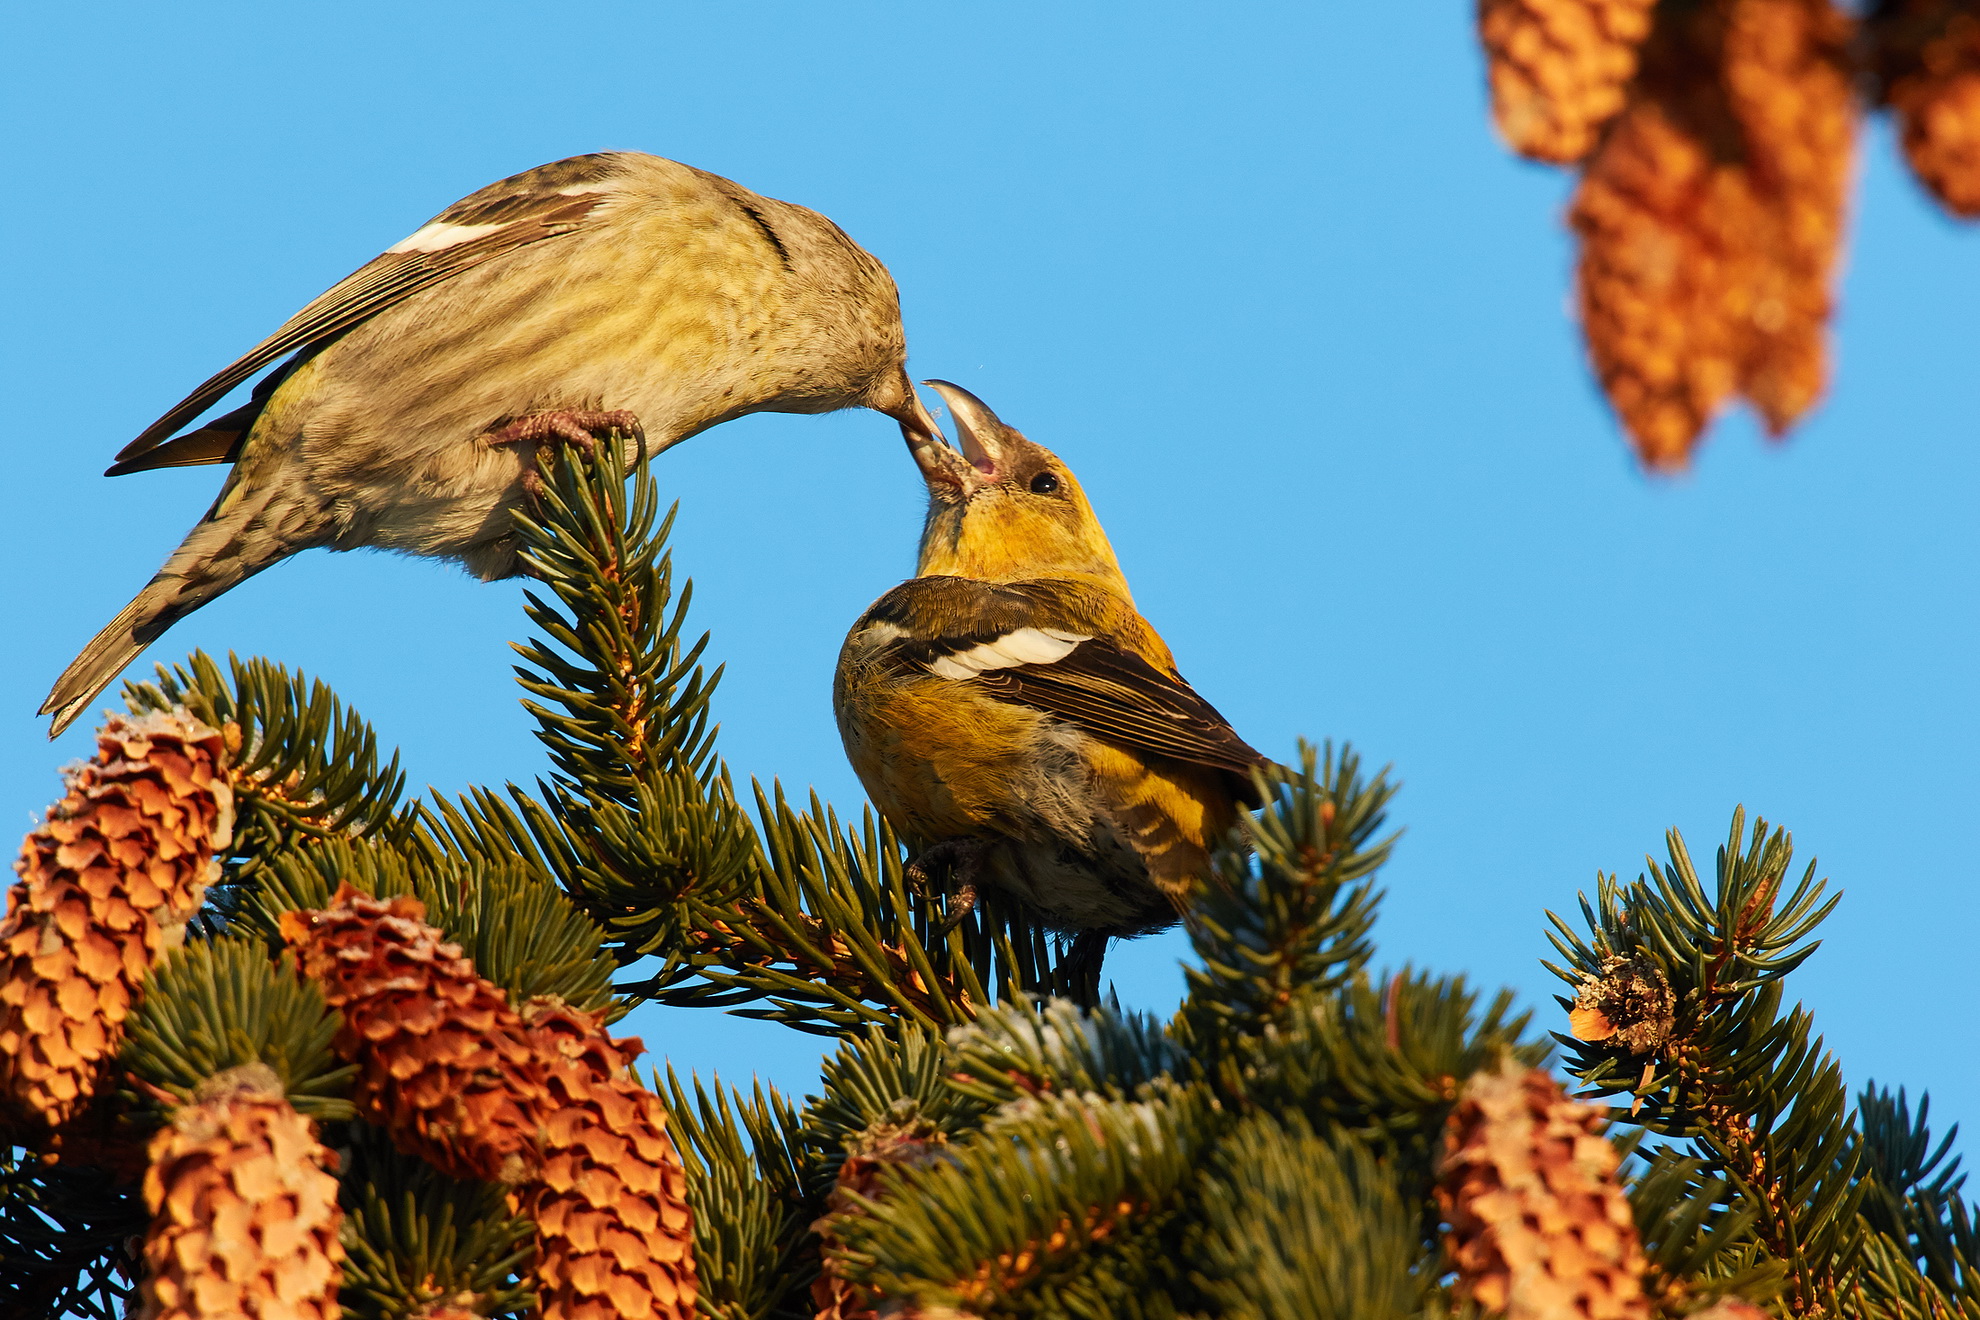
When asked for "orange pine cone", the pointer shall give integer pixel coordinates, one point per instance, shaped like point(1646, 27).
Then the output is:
point(1559, 69)
point(541, 1101)
point(1927, 56)
point(444, 1063)
point(1539, 1227)
point(1711, 220)
point(107, 885)
point(1789, 77)
point(916, 1143)
point(244, 1214)
point(614, 1232)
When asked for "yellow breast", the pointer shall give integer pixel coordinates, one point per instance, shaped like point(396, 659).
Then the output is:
point(939, 760)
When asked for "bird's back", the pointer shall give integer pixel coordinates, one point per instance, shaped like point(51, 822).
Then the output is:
point(1099, 827)
point(684, 299)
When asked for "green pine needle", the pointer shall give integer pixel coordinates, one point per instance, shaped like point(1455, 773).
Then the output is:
point(218, 1004)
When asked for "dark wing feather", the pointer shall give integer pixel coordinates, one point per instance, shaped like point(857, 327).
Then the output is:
point(1121, 698)
point(1104, 689)
point(528, 207)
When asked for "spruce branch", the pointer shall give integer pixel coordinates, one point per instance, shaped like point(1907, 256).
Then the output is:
point(1698, 1239)
point(221, 1004)
point(1292, 899)
point(1297, 1227)
point(1750, 1087)
point(791, 917)
point(1059, 1206)
point(1381, 1060)
point(516, 928)
point(65, 1240)
point(832, 936)
point(415, 1239)
point(1031, 1047)
point(302, 766)
point(1914, 1197)
point(749, 1227)
point(638, 814)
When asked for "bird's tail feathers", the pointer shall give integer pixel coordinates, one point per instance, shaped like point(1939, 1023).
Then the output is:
point(230, 546)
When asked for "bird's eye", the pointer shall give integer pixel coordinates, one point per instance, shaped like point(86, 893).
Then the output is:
point(1044, 484)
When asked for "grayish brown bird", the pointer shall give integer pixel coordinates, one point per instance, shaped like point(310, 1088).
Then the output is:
point(616, 291)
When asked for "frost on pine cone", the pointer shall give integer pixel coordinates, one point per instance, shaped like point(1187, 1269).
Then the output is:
point(1559, 69)
point(1539, 1225)
point(1926, 56)
point(244, 1215)
point(1711, 220)
point(107, 885)
point(444, 1063)
point(614, 1233)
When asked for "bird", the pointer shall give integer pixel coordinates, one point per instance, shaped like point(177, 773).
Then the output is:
point(616, 293)
point(1014, 717)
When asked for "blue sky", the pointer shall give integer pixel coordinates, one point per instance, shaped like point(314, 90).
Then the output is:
point(1259, 273)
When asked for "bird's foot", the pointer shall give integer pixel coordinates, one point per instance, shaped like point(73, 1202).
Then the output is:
point(961, 860)
point(580, 428)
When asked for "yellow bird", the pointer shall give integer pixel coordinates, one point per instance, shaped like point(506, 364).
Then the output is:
point(608, 292)
point(1015, 718)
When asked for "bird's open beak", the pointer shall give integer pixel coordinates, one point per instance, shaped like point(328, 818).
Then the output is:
point(980, 435)
point(924, 439)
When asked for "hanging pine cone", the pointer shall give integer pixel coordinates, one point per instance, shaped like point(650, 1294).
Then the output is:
point(107, 885)
point(1926, 58)
point(244, 1214)
point(444, 1063)
point(614, 1232)
point(1711, 218)
point(1539, 1227)
point(1788, 77)
point(1558, 69)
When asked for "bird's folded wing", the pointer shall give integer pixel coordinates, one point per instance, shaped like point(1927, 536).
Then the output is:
point(542, 203)
point(1122, 699)
point(1023, 642)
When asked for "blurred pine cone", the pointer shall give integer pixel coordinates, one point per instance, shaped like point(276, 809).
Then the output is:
point(1539, 1224)
point(910, 1140)
point(1558, 69)
point(1925, 58)
point(1711, 219)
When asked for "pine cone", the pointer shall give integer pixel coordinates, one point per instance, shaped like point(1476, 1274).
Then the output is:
point(244, 1214)
point(542, 1101)
point(1559, 69)
point(1926, 54)
point(107, 885)
point(444, 1063)
point(912, 1141)
point(1539, 1227)
point(1711, 218)
point(1789, 78)
point(614, 1232)
point(1730, 1308)
point(447, 1310)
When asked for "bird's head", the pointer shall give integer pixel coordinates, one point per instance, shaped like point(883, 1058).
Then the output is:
point(1002, 509)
